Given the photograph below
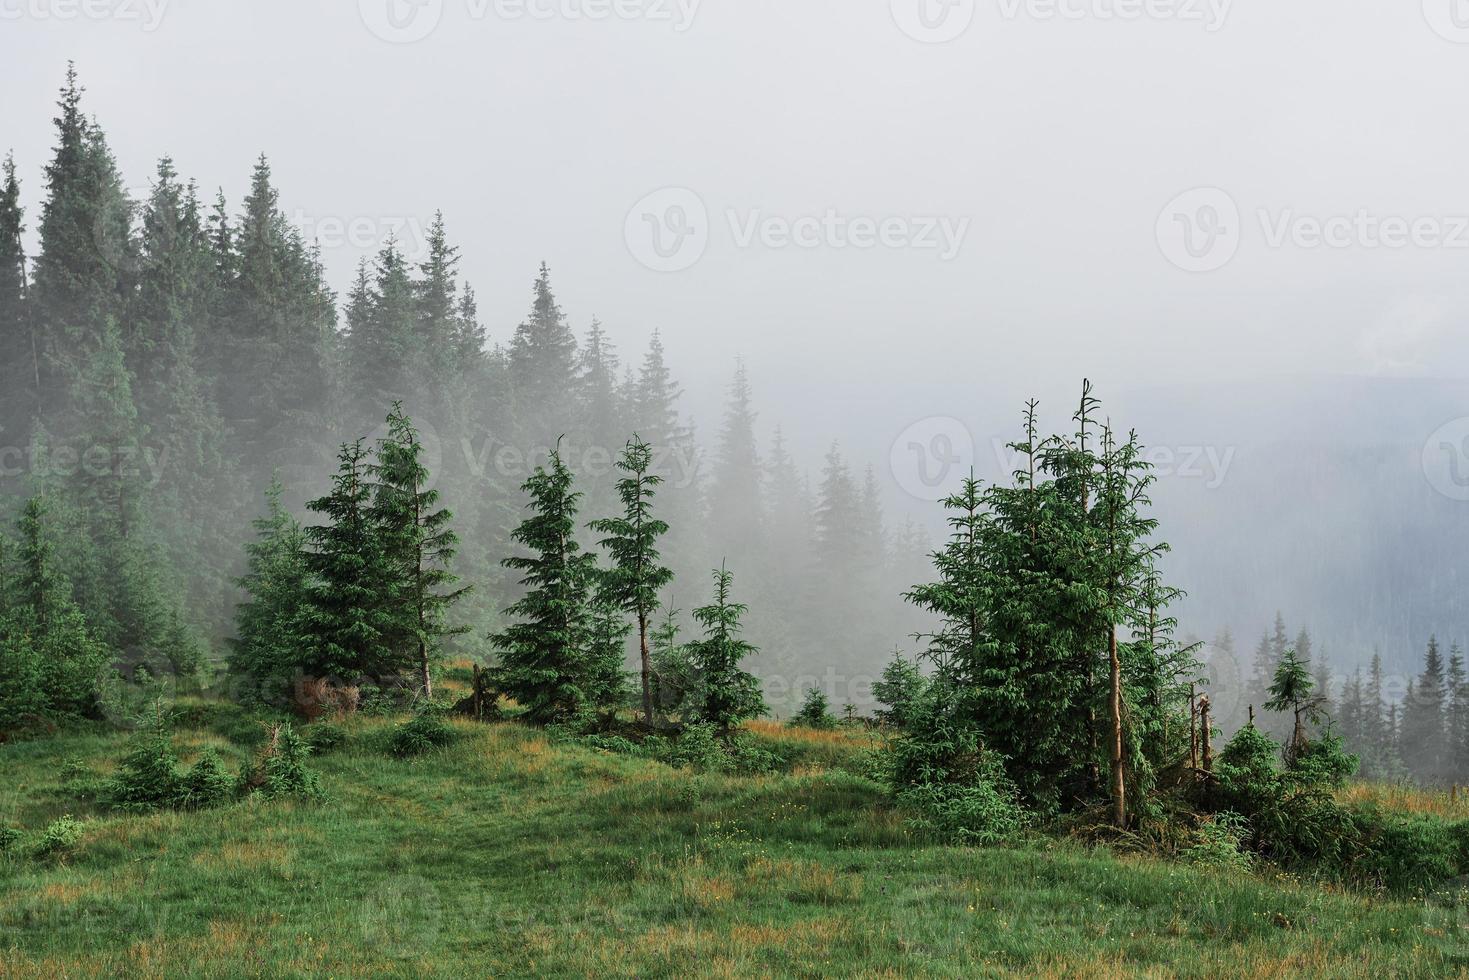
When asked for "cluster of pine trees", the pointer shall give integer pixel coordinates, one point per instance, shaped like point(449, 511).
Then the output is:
point(1056, 649)
point(163, 359)
point(1413, 728)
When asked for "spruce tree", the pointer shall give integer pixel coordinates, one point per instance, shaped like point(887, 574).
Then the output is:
point(18, 355)
point(542, 362)
point(1294, 690)
point(729, 693)
point(353, 594)
point(420, 546)
point(267, 647)
point(606, 673)
point(1424, 738)
point(637, 573)
point(543, 656)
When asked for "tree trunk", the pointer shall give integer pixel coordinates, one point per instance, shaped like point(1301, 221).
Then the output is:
point(1119, 777)
point(1206, 733)
point(647, 668)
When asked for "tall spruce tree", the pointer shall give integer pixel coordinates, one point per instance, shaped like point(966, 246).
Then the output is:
point(354, 591)
point(420, 546)
point(266, 649)
point(637, 573)
point(543, 656)
point(19, 365)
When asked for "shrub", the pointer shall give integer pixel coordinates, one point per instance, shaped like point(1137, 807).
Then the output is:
point(815, 711)
point(325, 736)
point(148, 778)
point(696, 747)
point(901, 689)
point(424, 732)
point(1324, 762)
point(10, 839)
point(59, 838)
point(1219, 843)
point(207, 783)
point(282, 768)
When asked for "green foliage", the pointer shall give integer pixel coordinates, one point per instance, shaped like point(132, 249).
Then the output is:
point(1219, 843)
point(10, 839)
point(815, 711)
point(901, 690)
point(419, 545)
point(543, 655)
point(207, 783)
point(953, 785)
point(323, 736)
point(424, 732)
point(148, 777)
point(729, 694)
point(637, 572)
point(59, 839)
point(1324, 762)
point(283, 772)
point(348, 622)
point(266, 651)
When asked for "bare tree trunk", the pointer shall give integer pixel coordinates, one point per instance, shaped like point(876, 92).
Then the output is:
point(1193, 728)
point(1206, 731)
point(647, 668)
point(1119, 777)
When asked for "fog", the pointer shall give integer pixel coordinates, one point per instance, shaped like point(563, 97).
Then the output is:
point(1246, 222)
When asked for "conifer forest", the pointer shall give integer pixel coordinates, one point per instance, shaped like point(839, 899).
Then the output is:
point(631, 489)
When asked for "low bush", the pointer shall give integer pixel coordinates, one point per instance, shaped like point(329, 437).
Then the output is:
point(60, 838)
point(424, 732)
point(10, 839)
point(207, 783)
point(325, 736)
point(280, 770)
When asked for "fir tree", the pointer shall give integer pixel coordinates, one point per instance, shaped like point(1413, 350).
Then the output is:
point(637, 574)
point(730, 694)
point(269, 622)
point(542, 361)
point(1294, 690)
point(543, 659)
point(1423, 734)
point(354, 591)
point(19, 365)
point(419, 543)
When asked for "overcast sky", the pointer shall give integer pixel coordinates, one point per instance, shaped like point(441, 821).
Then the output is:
point(1000, 212)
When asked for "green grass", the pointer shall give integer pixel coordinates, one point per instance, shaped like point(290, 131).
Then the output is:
point(507, 855)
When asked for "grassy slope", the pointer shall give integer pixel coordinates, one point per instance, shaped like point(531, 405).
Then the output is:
point(505, 855)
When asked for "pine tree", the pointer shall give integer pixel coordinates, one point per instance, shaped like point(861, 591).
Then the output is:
point(1294, 690)
point(269, 622)
point(18, 356)
point(958, 598)
point(736, 479)
point(606, 653)
point(1424, 739)
point(354, 591)
point(543, 659)
point(419, 543)
point(542, 360)
point(730, 694)
point(637, 574)
point(1456, 727)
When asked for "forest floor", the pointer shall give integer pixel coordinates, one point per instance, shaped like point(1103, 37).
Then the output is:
point(506, 854)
